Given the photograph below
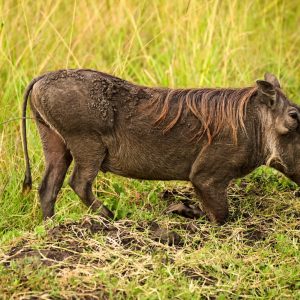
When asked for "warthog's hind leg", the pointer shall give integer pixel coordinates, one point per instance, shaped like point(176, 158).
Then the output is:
point(88, 156)
point(57, 159)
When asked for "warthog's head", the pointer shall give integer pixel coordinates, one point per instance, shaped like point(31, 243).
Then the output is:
point(281, 128)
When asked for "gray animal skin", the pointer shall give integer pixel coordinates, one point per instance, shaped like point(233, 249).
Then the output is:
point(206, 136)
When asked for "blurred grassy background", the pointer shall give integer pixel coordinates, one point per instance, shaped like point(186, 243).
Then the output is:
point(158, 43)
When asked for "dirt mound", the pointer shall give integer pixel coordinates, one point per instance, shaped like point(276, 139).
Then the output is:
point(66, 242)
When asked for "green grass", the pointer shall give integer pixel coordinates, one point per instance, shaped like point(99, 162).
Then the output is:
point(157, 43)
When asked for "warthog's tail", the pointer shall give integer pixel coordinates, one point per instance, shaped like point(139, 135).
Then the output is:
point(27, 183)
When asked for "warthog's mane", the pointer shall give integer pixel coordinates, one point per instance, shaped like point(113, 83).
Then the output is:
point(215, 108)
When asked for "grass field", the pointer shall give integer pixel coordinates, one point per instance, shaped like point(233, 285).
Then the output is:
point(145, 253)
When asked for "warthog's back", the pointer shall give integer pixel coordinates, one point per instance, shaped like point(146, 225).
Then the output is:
point(81, 103)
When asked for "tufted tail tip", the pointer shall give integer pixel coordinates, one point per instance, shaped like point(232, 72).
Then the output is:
point(27, 185)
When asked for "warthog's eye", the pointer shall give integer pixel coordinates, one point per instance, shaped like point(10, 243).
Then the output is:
point(293, 114)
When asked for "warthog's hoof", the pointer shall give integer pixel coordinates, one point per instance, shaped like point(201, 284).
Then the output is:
point(106, 213)
point(187, 211)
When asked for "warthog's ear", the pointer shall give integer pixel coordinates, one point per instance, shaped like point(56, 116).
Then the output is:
point(272, 79)
point(266, 92)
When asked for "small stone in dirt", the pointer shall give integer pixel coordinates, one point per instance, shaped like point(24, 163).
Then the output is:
point(101, 225)
point(255, 235)
point(167, 237)
point(153, 226)
point(191, 227)
point(200, 275)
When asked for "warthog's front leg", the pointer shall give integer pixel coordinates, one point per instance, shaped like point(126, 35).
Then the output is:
point(213, 200)
point(211, 174)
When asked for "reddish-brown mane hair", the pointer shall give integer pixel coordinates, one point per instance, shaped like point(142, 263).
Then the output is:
point(216, 109)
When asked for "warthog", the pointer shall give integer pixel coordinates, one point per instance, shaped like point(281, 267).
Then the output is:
point(207, 136)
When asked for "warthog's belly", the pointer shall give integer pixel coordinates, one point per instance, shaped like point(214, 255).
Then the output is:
point(149, 159)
